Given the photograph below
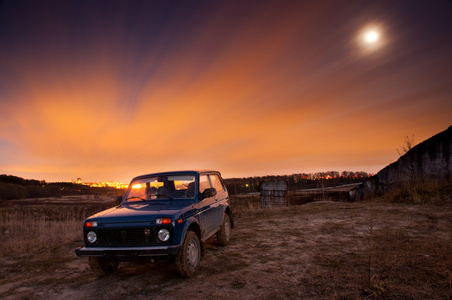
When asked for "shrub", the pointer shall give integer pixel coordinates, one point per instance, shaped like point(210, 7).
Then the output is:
point(9, 191)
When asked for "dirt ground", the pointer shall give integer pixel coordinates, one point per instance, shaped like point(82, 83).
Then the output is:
point(321, 250)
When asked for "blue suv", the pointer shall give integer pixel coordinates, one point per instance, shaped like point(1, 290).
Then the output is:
point(168, 214)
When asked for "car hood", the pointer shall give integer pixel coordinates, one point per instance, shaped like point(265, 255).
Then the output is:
point(143, 212)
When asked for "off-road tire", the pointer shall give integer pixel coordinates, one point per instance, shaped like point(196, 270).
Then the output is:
point(102, 266)
point(188, 259)
point(224, 234)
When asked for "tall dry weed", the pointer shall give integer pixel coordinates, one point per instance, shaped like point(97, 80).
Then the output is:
point(422, 192)
point(28, 228)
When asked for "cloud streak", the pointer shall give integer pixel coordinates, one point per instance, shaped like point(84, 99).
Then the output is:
point(250, 89)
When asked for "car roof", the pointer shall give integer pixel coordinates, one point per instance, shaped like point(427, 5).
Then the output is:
point(194, 172)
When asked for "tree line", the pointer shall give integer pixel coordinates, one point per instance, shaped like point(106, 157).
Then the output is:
point(298, 181)
point(13, 187)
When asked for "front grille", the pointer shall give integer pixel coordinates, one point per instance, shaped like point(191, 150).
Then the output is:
point(129, 236)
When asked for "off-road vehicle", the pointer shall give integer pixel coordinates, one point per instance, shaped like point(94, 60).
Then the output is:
point(168, 214)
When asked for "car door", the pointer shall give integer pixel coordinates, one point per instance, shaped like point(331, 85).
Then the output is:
point(219, 207)
point(206, 209)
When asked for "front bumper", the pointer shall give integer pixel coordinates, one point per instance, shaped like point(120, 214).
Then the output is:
point(128, 251)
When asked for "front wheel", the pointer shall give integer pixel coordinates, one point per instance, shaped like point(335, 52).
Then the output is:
point(188, 258)
point(224, 234)
point(102, 266)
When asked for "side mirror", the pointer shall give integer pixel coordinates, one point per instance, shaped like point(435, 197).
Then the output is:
point(211, 192)
point(117, 199)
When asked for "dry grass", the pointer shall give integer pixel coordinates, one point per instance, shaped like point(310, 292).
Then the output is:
point(322, 250)
point(244, 203)
point(420, 193)
point(25, 228)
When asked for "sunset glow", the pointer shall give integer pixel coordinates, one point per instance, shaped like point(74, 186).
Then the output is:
point(248, 88)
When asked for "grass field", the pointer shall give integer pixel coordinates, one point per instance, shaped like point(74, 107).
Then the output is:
point(321, 250)
point(26, 225)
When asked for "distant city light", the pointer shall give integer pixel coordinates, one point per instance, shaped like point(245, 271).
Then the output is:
point(138, 186)
point(112, 184)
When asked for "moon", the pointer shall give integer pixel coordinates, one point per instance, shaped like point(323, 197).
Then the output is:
point(371, 37)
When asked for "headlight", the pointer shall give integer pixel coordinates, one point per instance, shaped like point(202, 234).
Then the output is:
point(164, 235)
point(92, 237)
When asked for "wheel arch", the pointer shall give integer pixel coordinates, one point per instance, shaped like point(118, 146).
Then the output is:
point(229, 213)
point(196, 228)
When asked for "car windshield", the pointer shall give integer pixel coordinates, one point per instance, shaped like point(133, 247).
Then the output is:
point(162, 187)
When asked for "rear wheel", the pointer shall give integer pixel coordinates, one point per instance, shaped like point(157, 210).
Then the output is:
point(188, 258)
point(224, 234)
point(102, 266)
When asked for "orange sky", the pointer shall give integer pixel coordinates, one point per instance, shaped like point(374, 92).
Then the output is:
point(247, 88)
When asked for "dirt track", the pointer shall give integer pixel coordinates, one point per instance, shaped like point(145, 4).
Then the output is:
point(319, 250)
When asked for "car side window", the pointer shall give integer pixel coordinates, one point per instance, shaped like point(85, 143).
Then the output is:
point(216, 182)
point(203, 183)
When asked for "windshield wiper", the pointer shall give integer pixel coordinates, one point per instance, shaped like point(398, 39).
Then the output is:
point(136, 198)
point(160, 197)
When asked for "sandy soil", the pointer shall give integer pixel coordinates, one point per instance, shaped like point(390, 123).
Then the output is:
point(321, 250)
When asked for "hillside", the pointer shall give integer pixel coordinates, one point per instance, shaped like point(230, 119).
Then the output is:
point(427, 165)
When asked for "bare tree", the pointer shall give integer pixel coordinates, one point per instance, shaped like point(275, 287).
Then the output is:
point(408, 143)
